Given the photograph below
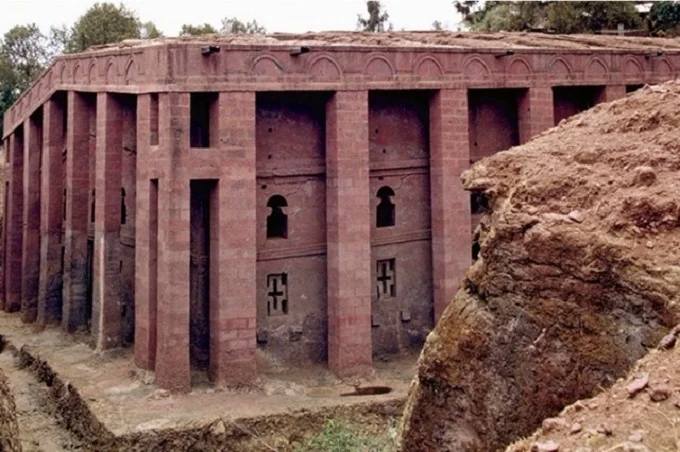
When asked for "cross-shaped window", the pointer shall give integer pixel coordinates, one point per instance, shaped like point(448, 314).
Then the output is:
point(277, 294)
point(386, 279)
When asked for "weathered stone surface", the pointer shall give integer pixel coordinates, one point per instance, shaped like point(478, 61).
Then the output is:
point(552, 308)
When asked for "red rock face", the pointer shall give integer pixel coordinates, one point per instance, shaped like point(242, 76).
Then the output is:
point(575, 281)
point(351, 153)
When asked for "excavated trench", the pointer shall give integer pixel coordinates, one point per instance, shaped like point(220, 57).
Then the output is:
point(52, 416)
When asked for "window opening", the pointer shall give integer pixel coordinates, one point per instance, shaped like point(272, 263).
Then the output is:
point(385, 212)
point(277, 220)
point(386, 278)
point(277, 294)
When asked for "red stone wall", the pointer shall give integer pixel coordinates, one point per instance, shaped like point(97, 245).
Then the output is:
point(398, 124)
point(326, 130)
point(291, 152)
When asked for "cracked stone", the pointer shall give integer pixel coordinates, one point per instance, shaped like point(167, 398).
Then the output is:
point(637, 385)
point(659, 393)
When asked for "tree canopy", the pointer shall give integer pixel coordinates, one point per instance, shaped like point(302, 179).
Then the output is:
point(103, 23)
point(25, 52)
point(376, 20)
point(559, 17)
point(197, 30)
point(231, 25)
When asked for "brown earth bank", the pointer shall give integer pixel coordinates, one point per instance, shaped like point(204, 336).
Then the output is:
point(639, 413)
point(577, 276)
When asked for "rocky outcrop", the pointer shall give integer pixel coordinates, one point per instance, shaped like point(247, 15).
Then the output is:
point(578, 276)
point(9, 429)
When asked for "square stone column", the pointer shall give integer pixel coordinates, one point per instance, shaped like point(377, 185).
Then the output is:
point(348, 233)
point(30, 264)
point(536, 112)
point(74, 309)
point(449, 157)
point(51, 213)
point(106, 312)
point(233, 253)
point(13, 222)
point(172, 351)
point(146, 243)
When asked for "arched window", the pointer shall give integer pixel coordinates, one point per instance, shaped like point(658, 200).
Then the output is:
point(123, 211)
point(92, 207)
point(277, 221)
point(385, 209)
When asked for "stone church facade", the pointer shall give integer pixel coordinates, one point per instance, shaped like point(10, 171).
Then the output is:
point(201, 200)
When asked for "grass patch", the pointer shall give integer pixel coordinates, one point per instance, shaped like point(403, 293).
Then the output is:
point(339, 436)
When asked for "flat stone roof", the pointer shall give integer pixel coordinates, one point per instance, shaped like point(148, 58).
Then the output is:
point(443, 39)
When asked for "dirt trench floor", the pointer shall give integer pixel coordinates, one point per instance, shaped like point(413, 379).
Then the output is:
point(70, 398)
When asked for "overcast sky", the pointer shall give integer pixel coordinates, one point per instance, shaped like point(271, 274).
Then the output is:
point(275, 15)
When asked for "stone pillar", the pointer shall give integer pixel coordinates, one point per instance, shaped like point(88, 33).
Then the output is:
point(172, 351)
point(146, 227)
point(30, 263)
point(75, 297)
point(13, 222)
point(611, 93)
point(51, 214)
point(449, 157)
point(106, 312)
point(349, 233)
point(5, 173)
point(536, 112)
point(233, 251)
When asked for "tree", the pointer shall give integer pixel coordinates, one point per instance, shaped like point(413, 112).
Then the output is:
point(376, 18)
point(148, 30)
point(103, 23)
point(231, 25)
point(24, 54)
point(437, 26)
point(560, 17)
point(197, 30)
point(665, 18)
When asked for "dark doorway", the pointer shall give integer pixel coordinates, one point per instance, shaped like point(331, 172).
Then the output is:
point(199, 273)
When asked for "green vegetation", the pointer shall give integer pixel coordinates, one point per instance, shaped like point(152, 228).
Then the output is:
point(342, 437)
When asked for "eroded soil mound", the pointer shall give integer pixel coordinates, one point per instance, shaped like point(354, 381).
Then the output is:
point(577, 277)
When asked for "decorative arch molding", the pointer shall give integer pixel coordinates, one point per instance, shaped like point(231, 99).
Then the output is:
point(662, 68)
point(131, 71)
point(378, 66)
point(519, 67)
point(78, 76)
point(92, 76)
point(49, 79)
point(475, 68)
point(597, 68)
point(63, 73)
point(267, 65)
point(325, 66)
point(632, 69)
point(559, 66)
point(428, 66)
point(111, 72)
